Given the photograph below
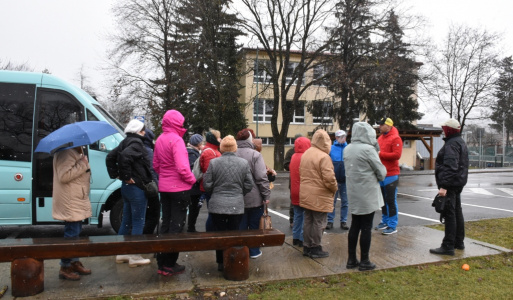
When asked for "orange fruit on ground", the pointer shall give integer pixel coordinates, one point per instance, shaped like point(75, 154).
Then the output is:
point(465, 267)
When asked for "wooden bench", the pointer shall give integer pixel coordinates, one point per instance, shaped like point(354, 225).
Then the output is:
point(27, 255)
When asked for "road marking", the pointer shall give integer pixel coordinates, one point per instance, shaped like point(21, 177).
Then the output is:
point(418, 217)
point(429, 190)
point(480, 206)
point(278, 214)
point(481, 191)
point(506, 190)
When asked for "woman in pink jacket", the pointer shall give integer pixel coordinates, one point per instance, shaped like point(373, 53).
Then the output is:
point(171, 162)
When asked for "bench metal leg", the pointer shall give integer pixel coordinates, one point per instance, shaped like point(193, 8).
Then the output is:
point(27, 277)
point(236, 263)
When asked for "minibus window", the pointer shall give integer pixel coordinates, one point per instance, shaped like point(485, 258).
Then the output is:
point(110, 119)
point(16, 111)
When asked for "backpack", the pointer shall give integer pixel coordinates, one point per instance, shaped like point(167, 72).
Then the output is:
point(196, 168)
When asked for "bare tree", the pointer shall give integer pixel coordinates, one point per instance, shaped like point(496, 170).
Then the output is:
point(461, 73)
point(12, 66)
point(284, 28)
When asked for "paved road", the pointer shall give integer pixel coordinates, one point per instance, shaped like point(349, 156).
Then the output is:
point(487, 195)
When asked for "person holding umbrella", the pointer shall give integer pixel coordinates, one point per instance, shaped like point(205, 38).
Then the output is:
point(129, 162)
point(71, 177)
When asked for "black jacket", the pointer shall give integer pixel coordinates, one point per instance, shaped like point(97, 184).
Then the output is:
point(130, 160)
point(451, 170)
point(193, 156)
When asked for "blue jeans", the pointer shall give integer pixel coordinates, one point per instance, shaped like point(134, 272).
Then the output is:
point(344, 204)
point(71, 230)
point(251, 220)
point(297, 229)
point(389, 211)
point(134, 209)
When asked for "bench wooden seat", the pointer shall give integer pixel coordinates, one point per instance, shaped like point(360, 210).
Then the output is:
point(27, 255)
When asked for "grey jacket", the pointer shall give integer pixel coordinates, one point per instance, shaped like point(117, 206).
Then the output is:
point(364, 171)
point(228, 178)
point(261, 190)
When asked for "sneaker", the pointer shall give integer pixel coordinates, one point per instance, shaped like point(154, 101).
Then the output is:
point(329, 225)
point(122, 258)
point(381, 226)
point(389, 231)
point(170, 271)
point(256, 255)
point(343, 226)
point(137, 260)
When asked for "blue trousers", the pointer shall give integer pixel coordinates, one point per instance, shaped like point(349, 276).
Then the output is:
point(251, 220)
point(71, 230)
point(297, 229)
point(344, 204)
point(134, 210)
point(389, 211)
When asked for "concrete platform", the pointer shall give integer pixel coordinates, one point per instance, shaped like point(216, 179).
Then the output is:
point(410, 246)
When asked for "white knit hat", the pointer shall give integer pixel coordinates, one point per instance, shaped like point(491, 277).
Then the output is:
point(453, 123)
point(134, 126)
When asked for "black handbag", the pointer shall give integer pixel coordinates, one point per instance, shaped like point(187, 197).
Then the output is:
point(439, 204)
point(151, 189)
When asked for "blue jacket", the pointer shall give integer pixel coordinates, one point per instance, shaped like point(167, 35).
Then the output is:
point(337, 156)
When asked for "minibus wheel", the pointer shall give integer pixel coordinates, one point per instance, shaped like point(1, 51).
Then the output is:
point(116, 214)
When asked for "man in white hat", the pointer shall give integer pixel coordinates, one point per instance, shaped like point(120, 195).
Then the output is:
point(451, 173)
point(337, 157)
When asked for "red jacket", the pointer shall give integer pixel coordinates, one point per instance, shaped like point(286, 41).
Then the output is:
point(390, 150)
point(209, 152)
point(300, 146)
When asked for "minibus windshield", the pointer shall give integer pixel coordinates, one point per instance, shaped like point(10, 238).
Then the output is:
point(110, 119)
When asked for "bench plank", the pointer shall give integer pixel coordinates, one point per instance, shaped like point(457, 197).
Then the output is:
point(54, 248)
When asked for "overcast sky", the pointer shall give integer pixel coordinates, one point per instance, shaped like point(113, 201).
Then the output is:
point(66, 35)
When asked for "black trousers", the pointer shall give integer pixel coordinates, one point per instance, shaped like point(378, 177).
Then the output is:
point(174, 213)
point(223, 222)
point(361, 225)
point(194, 210)
point(152, 219)
point(454, 222)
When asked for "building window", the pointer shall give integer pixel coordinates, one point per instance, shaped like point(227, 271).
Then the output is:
point(318, 72)
point(289, 74)
point(299, 112)
point(262, 110)
point(262, 71)
point(267, 141)
point(322, 112)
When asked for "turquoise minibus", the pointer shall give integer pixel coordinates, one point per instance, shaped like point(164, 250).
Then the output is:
point(31, 106)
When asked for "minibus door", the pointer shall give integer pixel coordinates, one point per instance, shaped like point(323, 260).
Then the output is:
point(54, 109)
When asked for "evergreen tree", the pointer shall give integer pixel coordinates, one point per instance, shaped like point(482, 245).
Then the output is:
point(502, 109)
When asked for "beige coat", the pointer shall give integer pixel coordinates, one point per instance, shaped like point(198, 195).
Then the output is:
point(317, 178)
point(70, 187)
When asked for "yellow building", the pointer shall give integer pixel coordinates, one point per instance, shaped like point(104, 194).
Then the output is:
point(258, 110)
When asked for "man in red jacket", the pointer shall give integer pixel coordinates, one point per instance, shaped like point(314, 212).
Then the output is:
point(390, 150)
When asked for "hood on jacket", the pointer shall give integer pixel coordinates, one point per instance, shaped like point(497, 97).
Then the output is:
point(301, 145)
point(245, 144)
point(173, 122)
point(322, 141)
point(363, 133)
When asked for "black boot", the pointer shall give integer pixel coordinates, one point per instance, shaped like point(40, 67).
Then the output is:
point(366, 264)
point(316, 252)
point(352, 261)
point(306, 251)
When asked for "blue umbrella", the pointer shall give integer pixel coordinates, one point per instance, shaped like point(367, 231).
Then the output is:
point(75, 135)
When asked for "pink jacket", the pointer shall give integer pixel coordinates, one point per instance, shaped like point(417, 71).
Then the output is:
point(170, 159)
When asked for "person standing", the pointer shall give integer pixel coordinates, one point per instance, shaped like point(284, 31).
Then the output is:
point(451, 173)
point(391, 148)
point(210, 152)
point(193, 151)
point(364, 171)
point(258, 196)
point(286, 164)
point(228, 179)
point(318, 186)
point(301, 144)
point(71, 186)
point(152, 219)
point(129, 162)
point(337, 157)
point(171, 162)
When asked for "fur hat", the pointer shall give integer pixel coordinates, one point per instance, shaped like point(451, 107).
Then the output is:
point(244, 134)
point(453, 123)
point(386, 121)
point(196, 139)
point(134, 126)
point(228, 144)
point(211, 138)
